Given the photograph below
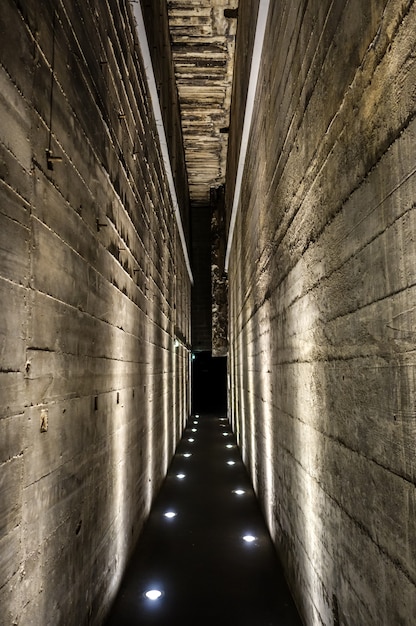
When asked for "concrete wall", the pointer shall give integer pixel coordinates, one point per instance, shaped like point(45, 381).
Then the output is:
point(201, 268)
point(93, 285)
point(323, 305)
point(155, 15)
point(218, 275)
point(246, 24)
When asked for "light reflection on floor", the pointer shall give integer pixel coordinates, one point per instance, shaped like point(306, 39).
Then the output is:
point(205, 555)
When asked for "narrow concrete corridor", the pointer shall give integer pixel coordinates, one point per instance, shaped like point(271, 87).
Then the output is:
point(205, 547)
point(184, 182)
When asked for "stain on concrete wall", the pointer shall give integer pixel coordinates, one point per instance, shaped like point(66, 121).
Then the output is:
point(93, 291)
point(322, 306)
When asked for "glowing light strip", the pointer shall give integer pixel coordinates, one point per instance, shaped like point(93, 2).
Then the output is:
point(148, 66)
point(248, 116)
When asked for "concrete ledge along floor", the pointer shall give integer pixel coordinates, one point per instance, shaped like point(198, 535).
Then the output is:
point(205, 546)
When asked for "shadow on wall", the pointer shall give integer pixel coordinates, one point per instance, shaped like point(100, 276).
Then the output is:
point(209, 383)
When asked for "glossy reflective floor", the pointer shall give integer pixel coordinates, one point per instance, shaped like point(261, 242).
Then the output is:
point(205, 548)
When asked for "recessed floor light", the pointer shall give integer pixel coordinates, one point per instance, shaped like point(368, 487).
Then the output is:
point(191, 440)
point(239, 492)
point(225, 434)
point(229, 445)
point(193, 430)
point(187, 455)
point(180, 476)
point(195, 421)
point(230, 462)
point(196, 416)
point(249, 538)
point(153, 594)
point(170, 514)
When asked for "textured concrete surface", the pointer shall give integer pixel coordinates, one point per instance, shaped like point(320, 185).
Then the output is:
point(201, 268)
point(218, 276)
point(155, 16)
point(323, 300)
point(203, 39)
point(94, 290)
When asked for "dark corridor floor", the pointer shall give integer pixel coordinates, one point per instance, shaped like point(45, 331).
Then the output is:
point(213, 561)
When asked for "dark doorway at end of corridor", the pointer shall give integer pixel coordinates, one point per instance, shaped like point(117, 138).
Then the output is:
point(209, 383)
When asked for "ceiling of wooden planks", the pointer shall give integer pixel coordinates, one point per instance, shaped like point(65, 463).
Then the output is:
point(203, 40)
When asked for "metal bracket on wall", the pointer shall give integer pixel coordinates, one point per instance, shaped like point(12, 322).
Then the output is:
point(51, 159)
point(99, 225)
